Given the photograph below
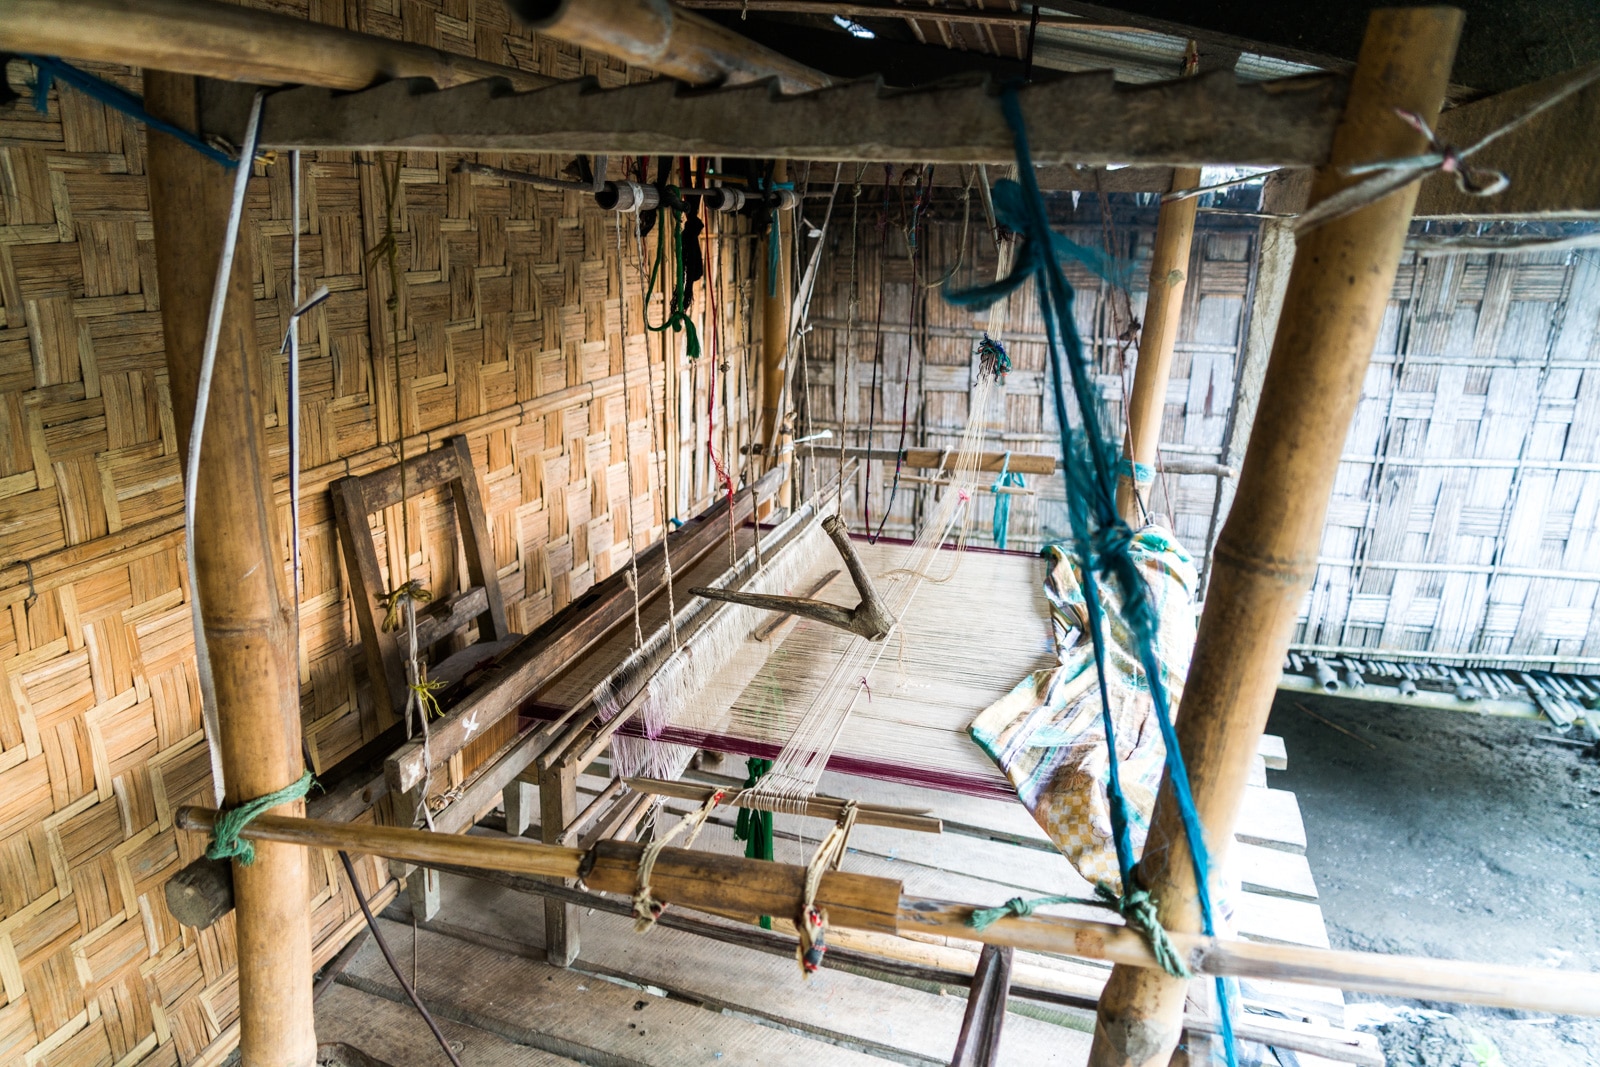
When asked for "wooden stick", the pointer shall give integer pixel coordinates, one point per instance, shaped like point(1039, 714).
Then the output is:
point(1462, 981)
point(248, 615)
point(233, 44)
point(775, 308)
point(1266, 555)
point(744, 888)
point(857, 9)
point(817, 807)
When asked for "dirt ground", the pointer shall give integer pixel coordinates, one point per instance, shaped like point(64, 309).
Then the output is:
point(1451, 834)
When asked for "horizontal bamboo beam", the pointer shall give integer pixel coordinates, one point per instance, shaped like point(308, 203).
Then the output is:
point(887, 9)
point(399, 843)
point(1020, 462)
point(743, 888)
point(1418, 977)
point(231, 43)
point(816, 807)
point(1079, 118)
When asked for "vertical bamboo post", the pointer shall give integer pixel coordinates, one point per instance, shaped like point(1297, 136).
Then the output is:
point(1266, 556)
point(249, 617)
point(1169, 278)
point(774, 326)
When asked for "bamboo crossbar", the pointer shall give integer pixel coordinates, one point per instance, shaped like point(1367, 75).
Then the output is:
point(731, 885)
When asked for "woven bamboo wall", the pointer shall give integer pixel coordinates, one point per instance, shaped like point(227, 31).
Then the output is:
point(1465, 523)
point(941, 364)
point(509, 331)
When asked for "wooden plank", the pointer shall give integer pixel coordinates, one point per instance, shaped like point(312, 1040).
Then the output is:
point(384, 665)
point(425, 471)
point(1280, 921)
point(395, 1034)
point(1271, 817)
point(1273, 750)
point(476, 546)
point(583, 1017)
point(886, 1019)
point(1077, 118)
point(1272, 871)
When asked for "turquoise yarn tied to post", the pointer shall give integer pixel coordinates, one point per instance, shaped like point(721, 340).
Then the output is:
point(1008, 479)
point(1142, 474)
point(225, 840)
point(1102, 540)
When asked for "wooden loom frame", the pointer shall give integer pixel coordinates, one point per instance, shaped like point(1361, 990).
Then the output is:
point(260, 737)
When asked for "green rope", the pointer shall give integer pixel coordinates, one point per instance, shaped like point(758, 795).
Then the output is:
point(983, 918)
point(754, 827)
point(225, 840)
point(1138, 909)
point(677, 318)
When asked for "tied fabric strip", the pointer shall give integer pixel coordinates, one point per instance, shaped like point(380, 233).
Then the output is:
point(225, 840)
point(1141, 473)
point(646, 908)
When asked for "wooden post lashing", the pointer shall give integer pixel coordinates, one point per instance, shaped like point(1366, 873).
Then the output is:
point(1169, 278)
point(1266, 555)
point(249, 617)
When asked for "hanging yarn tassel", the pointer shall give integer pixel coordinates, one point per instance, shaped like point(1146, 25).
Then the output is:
point(992, 358)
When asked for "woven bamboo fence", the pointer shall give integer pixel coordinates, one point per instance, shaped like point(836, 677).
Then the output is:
point(925, 364)
point(509, 330)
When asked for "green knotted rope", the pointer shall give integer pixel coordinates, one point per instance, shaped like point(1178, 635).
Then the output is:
point(983, 918)
point(1138, 910)
point(754, 827)
point(677, 319)
point(225, 840)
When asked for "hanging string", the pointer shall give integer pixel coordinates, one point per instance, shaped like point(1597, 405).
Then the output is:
point(919, 203)
point(661, 461)
point(627, 435)
point(877, 353)
point(714, 339)
point(852, 306)
point(1101, 538)
point(202, 404)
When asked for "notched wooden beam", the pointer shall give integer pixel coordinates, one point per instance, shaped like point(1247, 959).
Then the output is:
point(1078, 118)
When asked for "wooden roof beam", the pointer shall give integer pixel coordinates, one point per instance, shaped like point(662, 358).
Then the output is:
point(1079, 118)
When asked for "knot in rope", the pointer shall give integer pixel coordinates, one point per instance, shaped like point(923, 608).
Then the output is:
point(993, 360)
point(394, 601)
point(225, 840)
point(1016, 907)
point(1112, 544)
point(646, 908)
point(425, 688)
point(1138, 909)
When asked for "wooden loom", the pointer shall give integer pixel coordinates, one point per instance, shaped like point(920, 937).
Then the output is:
point(1260, 564)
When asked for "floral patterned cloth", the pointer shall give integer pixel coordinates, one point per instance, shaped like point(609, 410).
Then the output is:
point(1047, 734)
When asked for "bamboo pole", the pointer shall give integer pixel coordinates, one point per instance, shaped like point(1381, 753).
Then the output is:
point(744, 888)
point(1169, 278)
point(1266, 555)
point(667, 39)
point(216, 40)
point(249, 618)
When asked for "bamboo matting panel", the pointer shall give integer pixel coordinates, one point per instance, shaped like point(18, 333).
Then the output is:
point(509, 331)
point(1465, 522)
point(926, 368)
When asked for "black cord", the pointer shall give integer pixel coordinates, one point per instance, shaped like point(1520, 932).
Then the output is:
point(383, 946)
point(1033, 31)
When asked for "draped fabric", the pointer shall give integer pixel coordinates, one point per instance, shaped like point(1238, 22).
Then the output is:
point(1047, 734)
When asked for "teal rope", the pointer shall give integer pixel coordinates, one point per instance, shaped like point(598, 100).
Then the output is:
point(983, 918)
point(1138, 909)
point(1142, 474)
point(225, 840)
point(1008, 479)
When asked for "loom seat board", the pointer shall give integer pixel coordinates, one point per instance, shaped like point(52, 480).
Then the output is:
point(395, 1035)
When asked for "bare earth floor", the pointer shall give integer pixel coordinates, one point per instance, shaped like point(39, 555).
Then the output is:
point(1453, 835)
